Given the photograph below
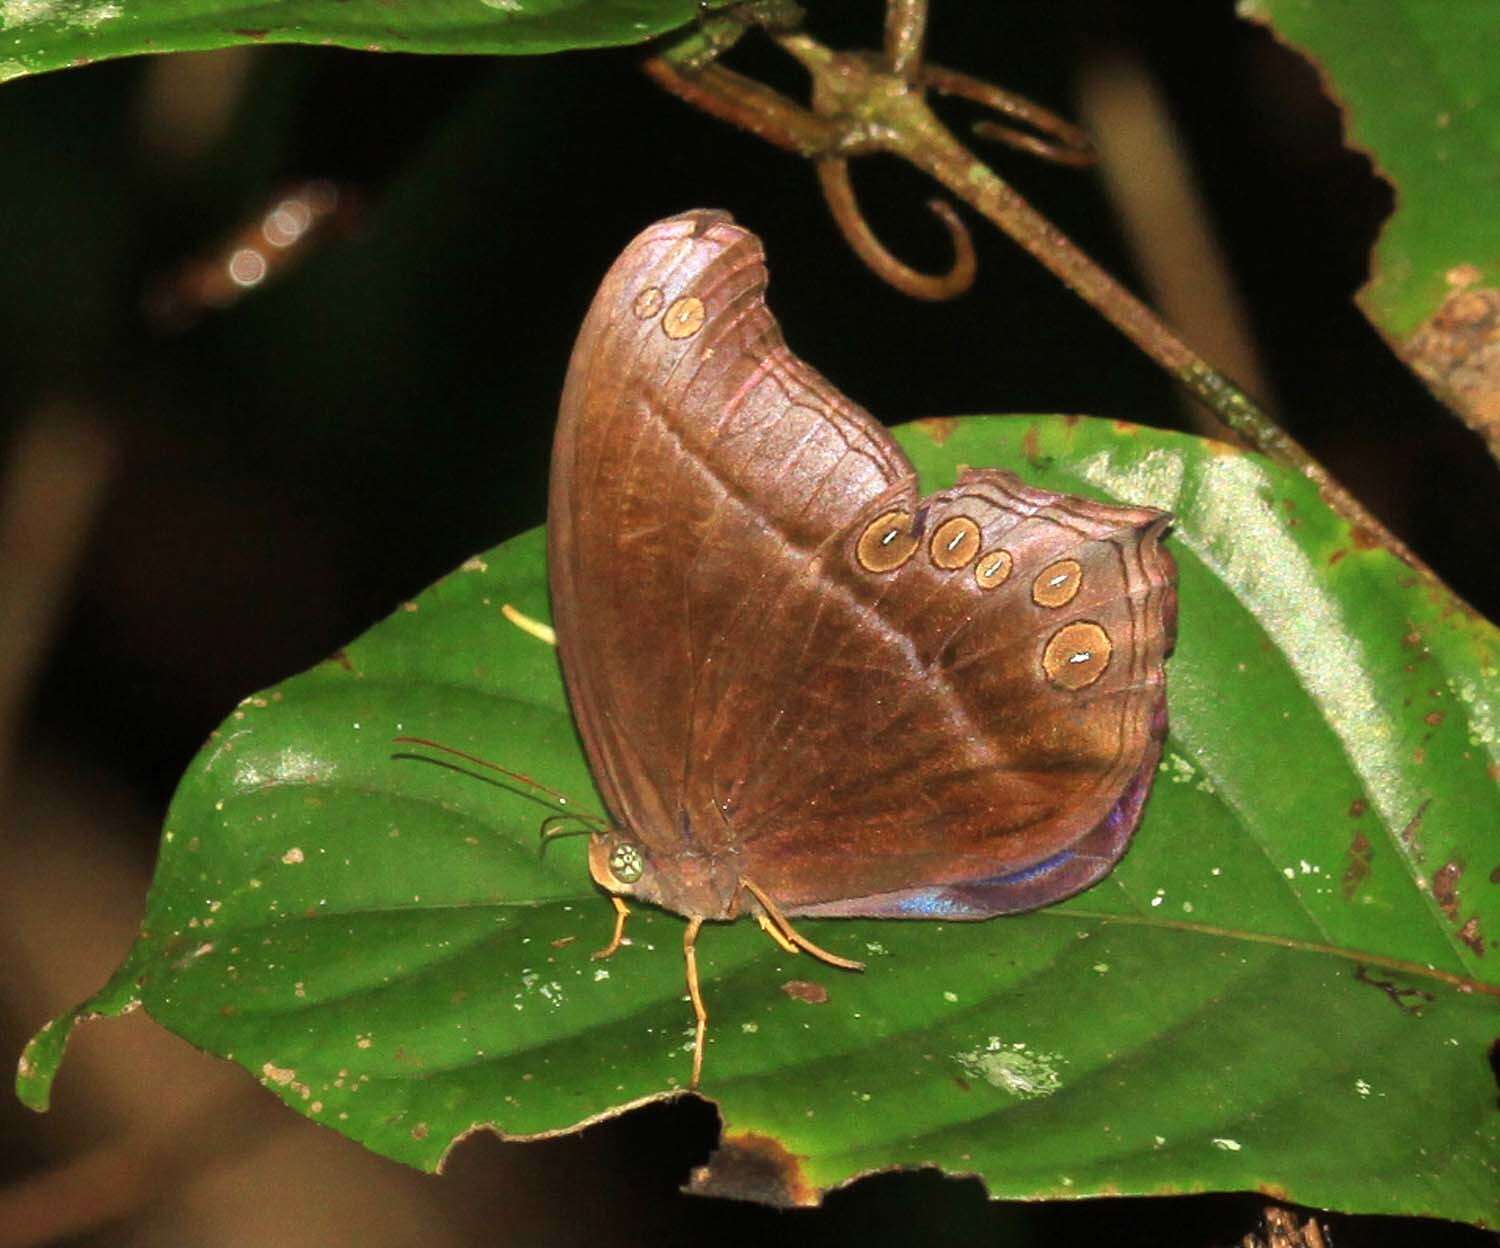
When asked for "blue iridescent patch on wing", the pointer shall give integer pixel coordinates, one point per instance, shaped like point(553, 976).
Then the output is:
point(1027, 874)
point(979, 898)
point(934, 903)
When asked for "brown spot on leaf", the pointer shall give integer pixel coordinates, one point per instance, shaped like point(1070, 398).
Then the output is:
point(343, 660)
point(805, 990)
point(562, 942)
point(1358, 870)
point(1031, 445)
point(1338, 556)
point(1445, 887)
point(1410, 835)
point(252, 32)
point(1470, 934)
point(751, 1166)
point(420, 1131)
point(1457, 353)
point(938, 428)
point(1358, 807)
point(1434, 718)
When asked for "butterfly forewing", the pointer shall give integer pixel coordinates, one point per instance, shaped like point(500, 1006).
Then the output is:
point(697, 466)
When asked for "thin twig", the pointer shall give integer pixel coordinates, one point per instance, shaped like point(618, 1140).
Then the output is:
point(1146, 175)
point(55, 474)
point(750, 105)
point(905, 36)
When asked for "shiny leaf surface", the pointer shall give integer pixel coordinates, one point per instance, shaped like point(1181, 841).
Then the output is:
point(39, 35)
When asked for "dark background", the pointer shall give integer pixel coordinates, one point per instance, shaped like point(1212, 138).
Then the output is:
point(284, 472)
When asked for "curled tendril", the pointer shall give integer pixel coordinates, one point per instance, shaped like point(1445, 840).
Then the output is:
point(833, 176)
point(1068, 145)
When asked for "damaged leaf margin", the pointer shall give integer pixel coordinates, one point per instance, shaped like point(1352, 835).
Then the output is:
point(1418, 94)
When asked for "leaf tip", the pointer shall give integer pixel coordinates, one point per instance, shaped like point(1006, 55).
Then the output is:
point(39, 1061)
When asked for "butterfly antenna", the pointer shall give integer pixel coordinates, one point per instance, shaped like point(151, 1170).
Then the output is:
point(554, 826)
point(561, 799)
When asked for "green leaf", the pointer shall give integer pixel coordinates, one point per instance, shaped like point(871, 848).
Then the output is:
point(1417, 84)
point(38, 35)
point(1287, 984)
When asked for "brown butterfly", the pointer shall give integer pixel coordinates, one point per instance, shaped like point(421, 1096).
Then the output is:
point(803, 688)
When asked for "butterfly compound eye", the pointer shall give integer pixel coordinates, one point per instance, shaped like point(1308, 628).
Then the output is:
point(886, 543)
point(626, 863)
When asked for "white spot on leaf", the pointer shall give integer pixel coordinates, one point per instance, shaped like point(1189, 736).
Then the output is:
point(75, 13)
point(1011, 1068)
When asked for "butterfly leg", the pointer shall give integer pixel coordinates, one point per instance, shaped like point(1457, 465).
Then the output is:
point(622, 912)
point(690, 955)
point(792, 935)
point(774, 932)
